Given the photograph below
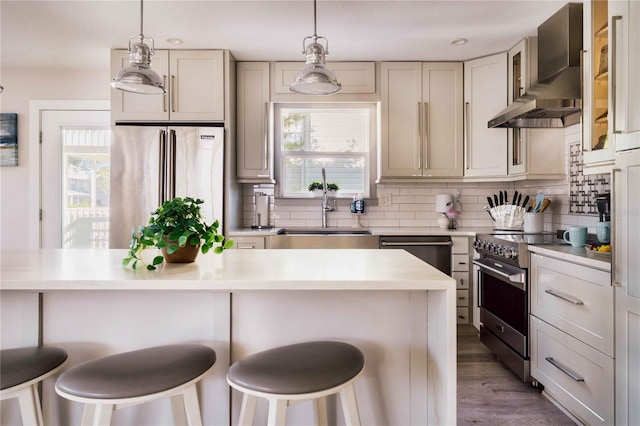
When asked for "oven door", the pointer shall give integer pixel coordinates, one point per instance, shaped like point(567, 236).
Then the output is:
point(504, 313)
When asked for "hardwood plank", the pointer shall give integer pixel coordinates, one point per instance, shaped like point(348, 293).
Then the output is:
point(490, 394)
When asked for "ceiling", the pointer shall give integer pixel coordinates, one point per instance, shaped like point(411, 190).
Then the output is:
point(79, 33)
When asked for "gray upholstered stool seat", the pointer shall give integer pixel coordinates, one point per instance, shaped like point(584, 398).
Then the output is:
point(21, 370)
point(137, 377)
point(296, 372)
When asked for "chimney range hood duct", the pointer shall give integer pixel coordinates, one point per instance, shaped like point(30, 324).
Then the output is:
point(555, 100)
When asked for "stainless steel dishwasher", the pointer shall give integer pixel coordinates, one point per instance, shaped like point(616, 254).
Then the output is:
point(435, 250)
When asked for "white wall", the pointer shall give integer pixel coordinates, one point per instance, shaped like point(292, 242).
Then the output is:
point(20, 87)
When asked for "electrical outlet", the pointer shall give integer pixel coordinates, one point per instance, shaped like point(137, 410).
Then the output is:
point(384, 199)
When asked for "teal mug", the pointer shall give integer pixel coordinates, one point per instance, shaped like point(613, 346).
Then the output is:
point(603, 232)
point(576, 236)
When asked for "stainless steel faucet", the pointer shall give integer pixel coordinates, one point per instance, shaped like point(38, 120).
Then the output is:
point(326, 207)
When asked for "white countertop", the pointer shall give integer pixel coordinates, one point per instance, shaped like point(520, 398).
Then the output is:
point(233, 270)
point(572, 254)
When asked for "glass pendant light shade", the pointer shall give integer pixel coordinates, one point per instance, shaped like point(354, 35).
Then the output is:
point(315, 78)
point(138, 77)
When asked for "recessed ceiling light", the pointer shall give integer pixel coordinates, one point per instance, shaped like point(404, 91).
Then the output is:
point(459, 41)
point(174, 40)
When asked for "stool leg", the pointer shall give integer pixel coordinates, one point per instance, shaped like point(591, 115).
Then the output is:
point(29, 401)
point(277, 412)
point(191, 406)
point(178, 409)
point(247, 410)
point(320, 411)
point(350, 406)
point(97, 414)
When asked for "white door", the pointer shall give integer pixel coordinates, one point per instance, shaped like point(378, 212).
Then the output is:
point(74, 185)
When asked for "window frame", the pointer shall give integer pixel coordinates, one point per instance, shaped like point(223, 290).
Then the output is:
point(370, 168)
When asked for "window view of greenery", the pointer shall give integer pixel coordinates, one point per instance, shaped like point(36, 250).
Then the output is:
point(334, 139)
point(85, 189)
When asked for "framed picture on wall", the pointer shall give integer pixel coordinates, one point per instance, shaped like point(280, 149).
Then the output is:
point(8, 139)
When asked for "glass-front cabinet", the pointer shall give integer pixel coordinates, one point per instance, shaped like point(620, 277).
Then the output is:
point(597, 144)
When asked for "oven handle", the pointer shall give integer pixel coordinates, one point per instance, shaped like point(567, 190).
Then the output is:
point(415, 243)
point(517, 278)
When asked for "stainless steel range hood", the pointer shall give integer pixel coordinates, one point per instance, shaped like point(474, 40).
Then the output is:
point(555, 100)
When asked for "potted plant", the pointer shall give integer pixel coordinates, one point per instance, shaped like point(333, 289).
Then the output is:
point(178, 228)
point(315, 187)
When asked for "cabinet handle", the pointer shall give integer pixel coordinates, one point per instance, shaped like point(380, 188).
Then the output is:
point(420, 135)
point(613, 72)
point(565, 298)
point(564, 369)
point(164, 97)
point(614, 207)
point(174, 93)
point(582, 117)
point(266, 136)
point(466, 135)
point(425, 132)
point(461, 282)
point(242, 246)
point(500, 328)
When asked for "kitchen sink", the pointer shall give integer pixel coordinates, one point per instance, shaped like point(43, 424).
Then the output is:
point(323, 238)
point(323, 231)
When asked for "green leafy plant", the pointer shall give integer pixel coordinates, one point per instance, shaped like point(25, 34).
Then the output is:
point(175, 224)
point(331, 186)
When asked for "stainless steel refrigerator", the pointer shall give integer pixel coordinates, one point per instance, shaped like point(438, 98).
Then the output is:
point(153, 163)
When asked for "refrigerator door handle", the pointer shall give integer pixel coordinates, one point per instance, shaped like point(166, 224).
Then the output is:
point(172, 164)
point(162, 166)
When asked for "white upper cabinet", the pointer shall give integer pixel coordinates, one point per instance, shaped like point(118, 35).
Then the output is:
point(532, 153)
point(255, 156)
point(422, 123)
point(194, 80)
point(625, 51)
point(597, 145)
point(485, 94)
point(355, 77)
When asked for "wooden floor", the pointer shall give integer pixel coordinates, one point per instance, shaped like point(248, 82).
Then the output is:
point(490, 394)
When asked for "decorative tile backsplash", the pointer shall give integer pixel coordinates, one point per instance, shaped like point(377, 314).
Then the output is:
point(583, 189)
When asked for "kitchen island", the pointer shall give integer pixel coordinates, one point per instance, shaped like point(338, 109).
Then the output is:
point(397, 309)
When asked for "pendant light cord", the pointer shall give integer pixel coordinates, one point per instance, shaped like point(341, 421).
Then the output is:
point(315, 31)
point(141, 15)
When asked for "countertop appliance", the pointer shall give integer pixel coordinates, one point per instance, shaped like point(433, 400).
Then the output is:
point(503, 294)
point(155, 162)
point(555, 101)
point(435, 250)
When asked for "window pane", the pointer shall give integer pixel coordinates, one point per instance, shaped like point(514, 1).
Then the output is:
point(347, 172)
point(86, 188)
point(325, 130)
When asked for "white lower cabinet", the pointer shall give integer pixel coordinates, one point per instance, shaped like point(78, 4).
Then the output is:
point(577, 376)
point(572, 337)
point(460, 272)
point(248, 243)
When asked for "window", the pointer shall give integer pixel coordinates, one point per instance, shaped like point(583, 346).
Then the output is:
point(337, 137)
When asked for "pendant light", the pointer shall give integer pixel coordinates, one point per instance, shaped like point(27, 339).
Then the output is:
point(315, 78)
point(138, 77)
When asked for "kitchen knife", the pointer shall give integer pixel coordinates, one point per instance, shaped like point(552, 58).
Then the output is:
point(526, 200)
point(515, 198)
point(491, 202)
point(501, 198)
point(495, 200)
point(506, 198)
point(519, 199)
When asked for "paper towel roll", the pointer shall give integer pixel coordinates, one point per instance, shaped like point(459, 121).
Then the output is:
point(441, 202)
point(262, 209)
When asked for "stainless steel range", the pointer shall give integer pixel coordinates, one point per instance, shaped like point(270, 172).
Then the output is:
point(503, 295)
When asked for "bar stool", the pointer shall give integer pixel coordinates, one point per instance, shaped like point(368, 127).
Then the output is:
point(21, 370)
point(295, 373)
point(132, 378)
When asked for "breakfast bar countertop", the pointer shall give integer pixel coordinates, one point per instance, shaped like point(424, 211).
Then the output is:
point(233, 270)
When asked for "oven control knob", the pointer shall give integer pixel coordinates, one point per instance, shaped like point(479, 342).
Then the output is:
point(501, 250)
point(511, 253)
point(476, 244)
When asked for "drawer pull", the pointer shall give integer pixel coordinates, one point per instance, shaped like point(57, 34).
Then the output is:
point(564, 369)
point(563, 297)
point(500, 328)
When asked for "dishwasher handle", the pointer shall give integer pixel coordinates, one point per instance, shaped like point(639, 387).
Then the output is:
point(415, 243)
